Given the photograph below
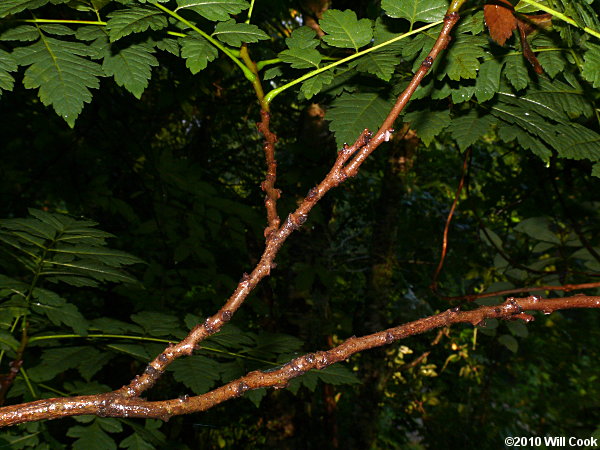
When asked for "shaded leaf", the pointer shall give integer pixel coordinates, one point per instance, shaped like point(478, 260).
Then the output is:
point(7, 64)
point(516, 72)
point(428, 124)
point(462, 58)
point(508, 133)
point(198, 52)
point(538, 228)
point(157, 324)
point(591, 64)
point(315, 84)
point(21, 33)
point(381, 64)
point(488, 80)
point(14, 6)
point(58, 310)
point(91, 438)
point(196, 372)
point(509, 342)
point(350, 114)
point(131, 67)
point(62, 74)
point(134, 20)
point(469, 128)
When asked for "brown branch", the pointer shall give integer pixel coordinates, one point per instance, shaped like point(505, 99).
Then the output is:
point(115, 405)
point(268, 186)
point(434, 279)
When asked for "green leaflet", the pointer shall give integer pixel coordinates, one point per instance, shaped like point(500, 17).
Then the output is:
point(87, 360)
point(62, 74)
point(7, 64)
point(428, 124)
point(58, 310)
point(336, 374)
point(516, 71)
point(131, 67)
point(303, 38)
point(235, 34)
point(381, 64)
point(509, 133)
point(134, 20)
point(350, 114)
point(577, 142)
point(157, 324)
point(415, 10)
point(538, 228)
point(198, 373)
point(344, 30)
point(591, 65)
point(305, 58)
point(216, 10)
point(462, 59)
point(91, 437)
point(488, 80)
point(198, 52)
point(14, 6)
point(467, 129)
point(21, 33)
point(552, 99)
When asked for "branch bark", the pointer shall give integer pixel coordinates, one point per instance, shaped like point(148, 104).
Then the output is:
point(113, 404)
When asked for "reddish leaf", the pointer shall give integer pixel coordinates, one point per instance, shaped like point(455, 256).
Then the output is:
point(500, 20)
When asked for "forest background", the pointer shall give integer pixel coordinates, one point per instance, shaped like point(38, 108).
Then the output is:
point(131, 211)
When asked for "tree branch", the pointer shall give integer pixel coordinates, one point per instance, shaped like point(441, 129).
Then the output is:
point(113, 404)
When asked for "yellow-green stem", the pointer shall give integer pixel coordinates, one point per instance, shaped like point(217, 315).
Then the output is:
point(247, 73)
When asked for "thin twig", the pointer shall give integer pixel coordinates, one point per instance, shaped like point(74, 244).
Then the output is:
point(436, 274)
point(268, 186)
